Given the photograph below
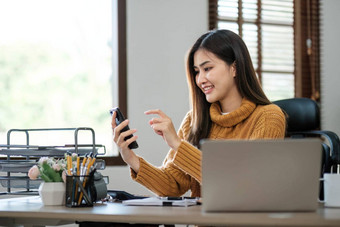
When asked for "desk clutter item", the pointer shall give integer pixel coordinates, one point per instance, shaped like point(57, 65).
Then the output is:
point(331, 183)
point(52, 193)
point(19, 158)
point(84, 185)
point(118, 195)
point(163, 201)
point(84, 190)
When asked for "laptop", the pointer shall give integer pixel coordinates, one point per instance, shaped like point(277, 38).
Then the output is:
point(260, 175)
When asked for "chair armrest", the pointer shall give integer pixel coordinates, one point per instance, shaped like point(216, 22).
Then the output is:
point(332, 138)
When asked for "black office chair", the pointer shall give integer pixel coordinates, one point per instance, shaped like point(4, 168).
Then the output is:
point(303, 120)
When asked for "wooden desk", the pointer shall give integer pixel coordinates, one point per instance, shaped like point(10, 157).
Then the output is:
point(29, 211)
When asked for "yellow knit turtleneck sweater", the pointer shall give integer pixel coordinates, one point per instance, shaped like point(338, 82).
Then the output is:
point(181, 169)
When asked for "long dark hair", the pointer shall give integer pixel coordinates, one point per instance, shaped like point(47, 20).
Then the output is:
point(230, 48)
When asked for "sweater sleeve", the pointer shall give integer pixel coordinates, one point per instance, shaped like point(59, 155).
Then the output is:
point(167, 180)
point(188, 158)
point(174, 177)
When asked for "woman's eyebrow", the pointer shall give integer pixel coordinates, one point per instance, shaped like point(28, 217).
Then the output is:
point(202, 64)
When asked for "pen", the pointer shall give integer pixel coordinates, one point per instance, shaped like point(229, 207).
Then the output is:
point(178, 198)
point(77, 175)
point(74, 192)
point(83, 165)
point(171, 198)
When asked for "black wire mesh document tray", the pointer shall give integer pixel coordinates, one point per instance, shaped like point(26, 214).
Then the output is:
point(17, 159)
point(30, 150)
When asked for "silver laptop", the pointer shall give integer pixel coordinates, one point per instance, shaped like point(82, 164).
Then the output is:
point(260, 175)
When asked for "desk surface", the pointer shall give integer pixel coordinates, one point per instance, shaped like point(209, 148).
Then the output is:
point(29, 210)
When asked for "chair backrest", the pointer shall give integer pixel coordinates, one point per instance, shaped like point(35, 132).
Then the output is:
point(303, 114)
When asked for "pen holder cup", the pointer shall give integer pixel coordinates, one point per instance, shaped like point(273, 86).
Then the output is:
point(79, 191)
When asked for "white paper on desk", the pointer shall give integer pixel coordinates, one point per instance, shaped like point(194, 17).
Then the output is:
point(155, 201)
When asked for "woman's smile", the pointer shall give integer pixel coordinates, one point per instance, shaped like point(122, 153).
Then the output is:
point(207, 89)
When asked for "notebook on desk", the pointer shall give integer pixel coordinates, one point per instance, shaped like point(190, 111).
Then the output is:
point(260, 175)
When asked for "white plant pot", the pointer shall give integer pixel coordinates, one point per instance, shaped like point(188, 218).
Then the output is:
point(52, 193)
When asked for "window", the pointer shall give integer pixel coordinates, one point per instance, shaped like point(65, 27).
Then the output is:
point(56, 66)
point(274, 31)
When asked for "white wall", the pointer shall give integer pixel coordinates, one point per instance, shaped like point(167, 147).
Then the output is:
point(159, 33)
point(330, 69)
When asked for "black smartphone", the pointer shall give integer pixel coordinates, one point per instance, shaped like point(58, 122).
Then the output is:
point(119, 119)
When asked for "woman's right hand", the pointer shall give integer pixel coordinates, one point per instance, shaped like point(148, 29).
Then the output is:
point(127, 154)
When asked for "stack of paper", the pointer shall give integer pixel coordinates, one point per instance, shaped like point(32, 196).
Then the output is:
point(161, 201)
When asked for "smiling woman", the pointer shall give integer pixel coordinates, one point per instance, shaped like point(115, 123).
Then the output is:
point(56, 65)
point(221, 78)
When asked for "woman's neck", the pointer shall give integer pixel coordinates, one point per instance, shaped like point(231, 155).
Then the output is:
point(231, 104)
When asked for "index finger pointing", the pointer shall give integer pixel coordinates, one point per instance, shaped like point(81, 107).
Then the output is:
point(159, 112)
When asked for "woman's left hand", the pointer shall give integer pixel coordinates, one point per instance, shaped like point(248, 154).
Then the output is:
point(164, 127)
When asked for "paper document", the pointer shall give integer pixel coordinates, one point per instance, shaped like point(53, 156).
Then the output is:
point(162, 201)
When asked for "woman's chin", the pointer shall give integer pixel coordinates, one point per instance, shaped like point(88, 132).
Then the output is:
point(210, 99)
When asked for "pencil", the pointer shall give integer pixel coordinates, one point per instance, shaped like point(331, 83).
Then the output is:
point(78, 160)
point(87, 173)
point(69, 164)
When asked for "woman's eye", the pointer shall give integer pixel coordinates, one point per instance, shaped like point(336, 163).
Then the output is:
point(196, 72)
point(207, 69)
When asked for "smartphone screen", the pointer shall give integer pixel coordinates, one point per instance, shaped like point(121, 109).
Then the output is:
point(119, 119)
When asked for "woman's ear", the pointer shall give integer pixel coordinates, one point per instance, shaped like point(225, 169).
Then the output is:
point(233, 69)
